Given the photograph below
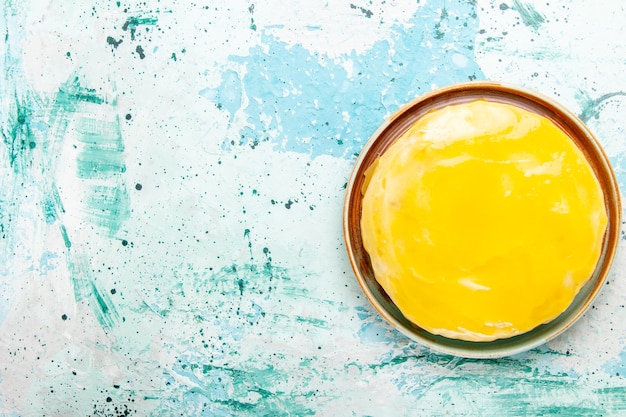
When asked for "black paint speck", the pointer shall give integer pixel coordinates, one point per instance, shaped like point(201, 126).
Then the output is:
point(140, 51)
point(113, 42)
point(109, 399)
point(138, 187)
point(128, 116)
point(113, 291)
point(124, 242)
point(64, 317)
point(288, 204)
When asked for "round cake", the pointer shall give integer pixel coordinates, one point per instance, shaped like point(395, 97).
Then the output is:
point(482, 221)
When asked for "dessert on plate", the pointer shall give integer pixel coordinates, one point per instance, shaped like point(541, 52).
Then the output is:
point(482, 221)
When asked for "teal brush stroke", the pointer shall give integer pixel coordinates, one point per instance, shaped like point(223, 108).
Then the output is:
point(99, 164)
point(52, 205)
point(101, 156)
point(66, 239)
point(85, 289)
point(520, 388)
point(530, 17)
point(18, 136)
point(100, 134)
point(107, 206)
point(105, 311)
point(69, 99)
point(225, 390)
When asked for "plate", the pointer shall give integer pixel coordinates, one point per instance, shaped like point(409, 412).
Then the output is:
point(399, 123)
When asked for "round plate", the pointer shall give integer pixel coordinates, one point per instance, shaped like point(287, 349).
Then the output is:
point(394, 127)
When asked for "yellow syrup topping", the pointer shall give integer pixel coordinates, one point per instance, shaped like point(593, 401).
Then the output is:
point(482, 221)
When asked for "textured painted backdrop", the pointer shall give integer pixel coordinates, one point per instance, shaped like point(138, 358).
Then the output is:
point(170, 207)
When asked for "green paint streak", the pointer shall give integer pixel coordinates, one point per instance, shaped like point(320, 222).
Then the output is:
point(85, 289)
point(228, 390)
point(577, 411)
point(134, 22)
point(591, 108)
point(100, 134)
point(101, 157)
point(80, 276)
point(69, 100)
point(516, 388)
point(99, 164)
point(66, 239)
point(530, 17)
point(18, 136)
point(103, 307)
point(107, 203)
point(71, 93)
point(615, 397)
point(108, 206)
point(101, 154)
point(52, 205)
point(397, 360)
point(319, 323)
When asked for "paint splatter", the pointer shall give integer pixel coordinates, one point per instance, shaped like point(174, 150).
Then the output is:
point(135, 22)
point(114, 42)
point(307, 103)
point(367, 13)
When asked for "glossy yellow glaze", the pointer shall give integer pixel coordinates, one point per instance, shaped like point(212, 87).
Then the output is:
point(482, 221)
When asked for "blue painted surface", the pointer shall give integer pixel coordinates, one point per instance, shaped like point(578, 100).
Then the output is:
point(172, 184)
point(306, 102)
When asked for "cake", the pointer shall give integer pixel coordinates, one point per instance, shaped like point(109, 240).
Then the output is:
point(482, 221)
